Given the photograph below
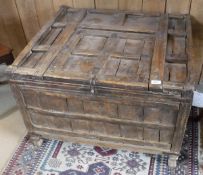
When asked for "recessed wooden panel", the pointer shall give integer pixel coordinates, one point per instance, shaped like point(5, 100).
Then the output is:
point(80, 125)
point(132, 132)
point(97, 127)
point(51, 36)
point(134, 113)
point(177, 25)
point(142, 23)
point(166, 136)
point(133, 47)
point(31, 97)
point(90, 44)
point(169, 115)
point(110, 68)
point(93, 107)
point(92, 19)
point(148, 48)
point(151, 134)
point(54, 102)
point(178, 73)
point(112, 129)
point(152, 115)
point(32, 59)
point(78, 66)
point(127, 69)
point(49, 121)
point(75, 105)
point(100, 108)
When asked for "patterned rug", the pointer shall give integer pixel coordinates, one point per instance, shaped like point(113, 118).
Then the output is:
point(55, 157)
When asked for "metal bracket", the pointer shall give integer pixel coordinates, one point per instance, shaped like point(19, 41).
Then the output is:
point(92, 84)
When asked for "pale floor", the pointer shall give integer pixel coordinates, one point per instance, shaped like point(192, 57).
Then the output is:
point(12, 129)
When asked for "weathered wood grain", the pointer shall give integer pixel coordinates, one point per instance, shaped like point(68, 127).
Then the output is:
point(197, 18)
point(3, 34)
point(154, 6)
point(178, 7)
point(130, 5)
point(12, 23)
point(106, 4)
point(44, 10)
point(83, 4)
point(29, 19)
point(58, 3)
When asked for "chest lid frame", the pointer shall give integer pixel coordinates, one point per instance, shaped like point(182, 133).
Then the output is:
point(117, 49)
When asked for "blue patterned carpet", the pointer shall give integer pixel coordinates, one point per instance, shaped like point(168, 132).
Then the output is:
point(64, 158)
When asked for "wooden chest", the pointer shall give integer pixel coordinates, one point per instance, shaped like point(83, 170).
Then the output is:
point(111, 78)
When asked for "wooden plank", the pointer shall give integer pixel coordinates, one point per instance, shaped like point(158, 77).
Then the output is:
point(197, 13)
point(154, 6)
point(180, 7)
point(83, 4)
point(130, 5)
point(158, 59)
point(45, 10)
point(28, 17)
point(4, 39)
point(58, 3)
point(194, 56)
point(12, 24)
point(106, 4)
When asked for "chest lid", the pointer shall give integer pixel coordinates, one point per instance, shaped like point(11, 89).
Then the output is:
point(112, 49)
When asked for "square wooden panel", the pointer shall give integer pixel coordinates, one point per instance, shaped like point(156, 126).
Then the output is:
point(151, 134)
point(95, 20)
point(134, 113)
point(112, 129)
point(80, 125)
point(51, 102)
point(127, 69)
point(166, 135)
point(142, 23)
point(177, 25)
point(152, 114)
point(133, 48)
point(97, 127)
point(100, 108)
point(175, 72)
point(90, 44)
point(31, 98)
point(75, 105)
point(80, 66)
point(169, 116)
point(131, 131)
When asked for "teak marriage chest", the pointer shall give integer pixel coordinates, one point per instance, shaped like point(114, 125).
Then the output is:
point(111, 78)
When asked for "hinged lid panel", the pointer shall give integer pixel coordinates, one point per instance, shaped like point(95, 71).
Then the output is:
point(112, 49)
